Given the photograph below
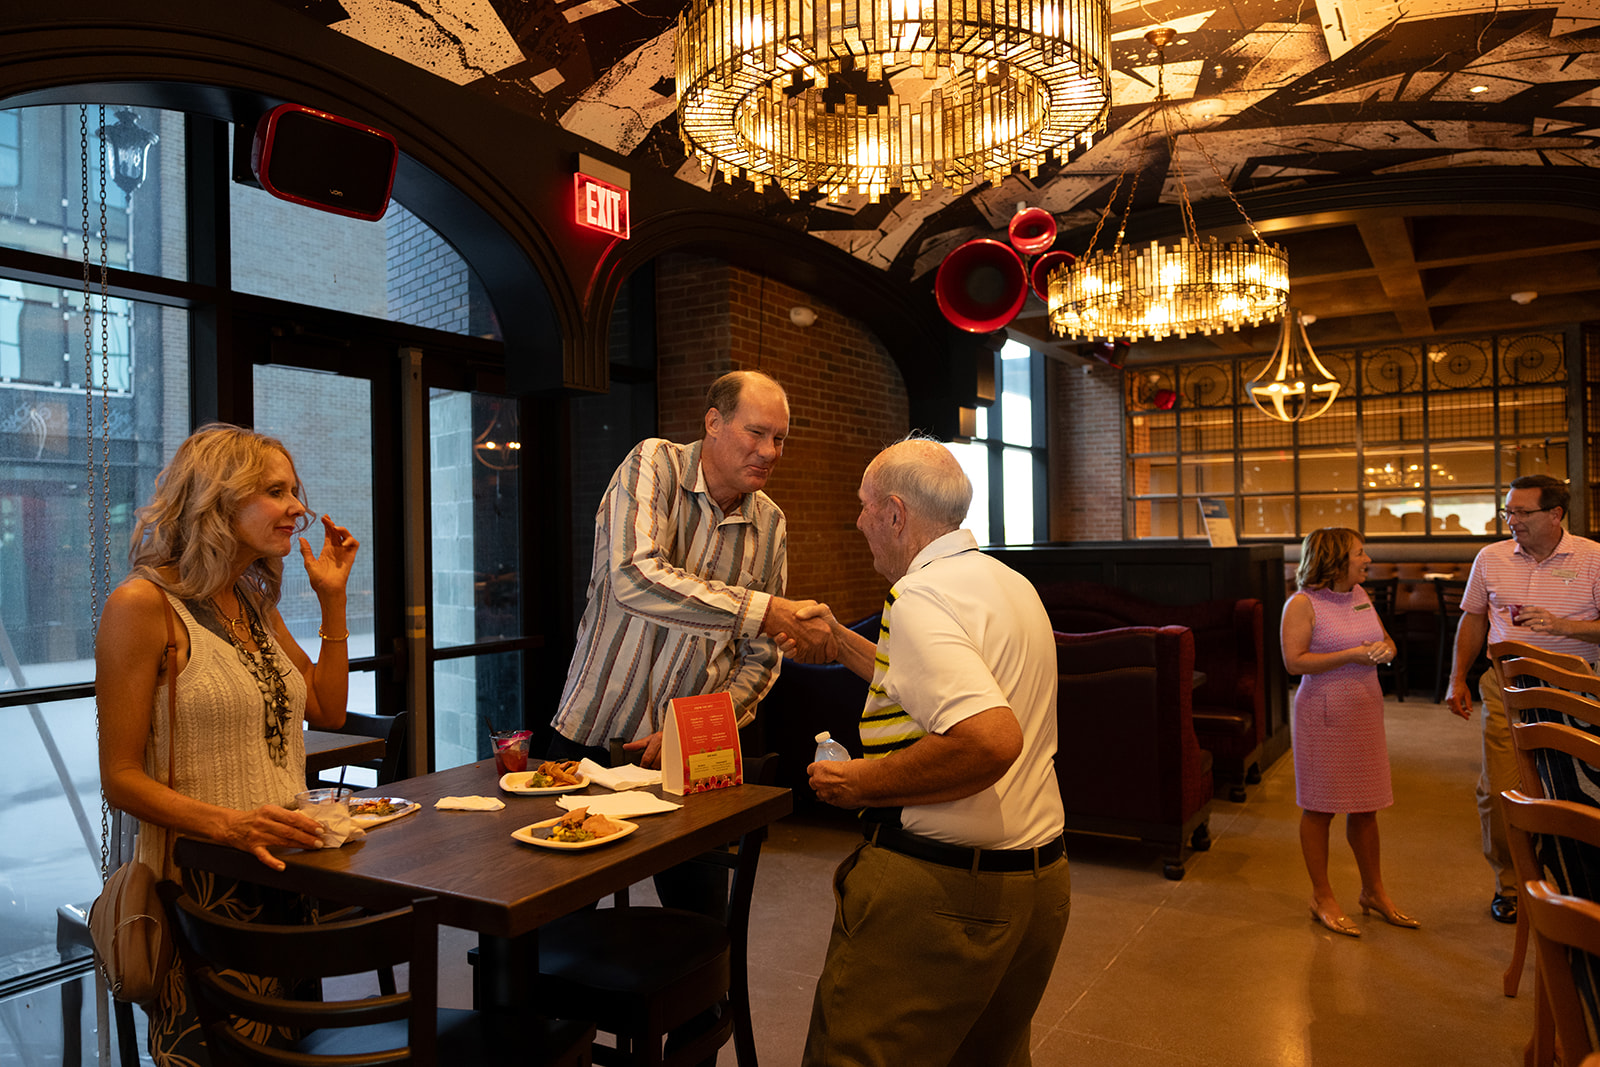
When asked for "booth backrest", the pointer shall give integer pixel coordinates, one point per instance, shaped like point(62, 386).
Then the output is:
point(1126, 748)
point(1227, 634)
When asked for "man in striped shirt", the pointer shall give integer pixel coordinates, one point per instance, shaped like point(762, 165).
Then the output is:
point(685, 594)
point(1541, 587)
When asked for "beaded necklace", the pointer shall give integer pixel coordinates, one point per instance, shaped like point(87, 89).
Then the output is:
point(263, 667)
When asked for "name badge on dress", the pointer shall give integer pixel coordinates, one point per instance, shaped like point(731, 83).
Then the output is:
point(1362, 607)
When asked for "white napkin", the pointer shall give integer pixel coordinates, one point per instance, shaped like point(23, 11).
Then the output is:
point(337, 824)
point(625, 777)
point(468, 804)
point(618, 805)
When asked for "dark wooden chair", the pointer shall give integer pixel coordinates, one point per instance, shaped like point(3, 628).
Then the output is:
point(1384, 594)
point(72, 943)
point(642, 972)
point(1545, 835)
point(398, 1028)
point(396, 732)
point(1450, 591)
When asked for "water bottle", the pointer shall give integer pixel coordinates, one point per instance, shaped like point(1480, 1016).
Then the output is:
point(829, 749)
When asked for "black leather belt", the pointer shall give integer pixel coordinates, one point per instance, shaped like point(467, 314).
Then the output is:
point(973, 859)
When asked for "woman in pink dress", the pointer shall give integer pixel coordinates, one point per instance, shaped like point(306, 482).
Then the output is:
point(1334, 640)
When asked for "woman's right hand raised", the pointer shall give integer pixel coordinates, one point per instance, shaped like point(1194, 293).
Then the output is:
point(256, 831)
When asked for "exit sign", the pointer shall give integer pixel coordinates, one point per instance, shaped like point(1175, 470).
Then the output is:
point(601, 205)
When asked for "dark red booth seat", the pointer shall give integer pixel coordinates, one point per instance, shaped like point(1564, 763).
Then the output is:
point(1127, 759)
point(1230, 706)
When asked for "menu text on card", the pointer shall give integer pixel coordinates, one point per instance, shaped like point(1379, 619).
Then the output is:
point(700, 749)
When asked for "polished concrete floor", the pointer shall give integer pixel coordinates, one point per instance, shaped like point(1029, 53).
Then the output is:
point(1222, 968)
point(1226, 966)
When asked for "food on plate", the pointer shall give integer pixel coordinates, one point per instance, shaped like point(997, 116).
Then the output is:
point(552, 773)
point(377, 805)
point(578, 825)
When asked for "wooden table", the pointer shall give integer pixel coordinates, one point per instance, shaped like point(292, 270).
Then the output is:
point(484, 880)
point(326, 749)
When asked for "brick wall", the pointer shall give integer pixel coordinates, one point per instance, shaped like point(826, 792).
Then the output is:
point(846, 401)
point(1086, 452)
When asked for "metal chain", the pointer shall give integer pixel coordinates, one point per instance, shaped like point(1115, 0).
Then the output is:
point(1216, 170)
point(105, 374)
point(88, 434)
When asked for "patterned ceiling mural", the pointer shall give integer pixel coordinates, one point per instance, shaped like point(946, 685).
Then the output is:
point(1273, 93)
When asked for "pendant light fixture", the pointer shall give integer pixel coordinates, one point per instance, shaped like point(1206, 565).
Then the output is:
point(1294, 385)
point(873, 96)
point(1193, 286)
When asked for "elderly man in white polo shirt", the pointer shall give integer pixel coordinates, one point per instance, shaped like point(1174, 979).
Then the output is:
point(950, 914)
point(1541, 587)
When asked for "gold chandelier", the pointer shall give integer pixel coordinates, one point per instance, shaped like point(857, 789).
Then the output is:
point(1194, 286)
point(872, 96)
point(1294, 385)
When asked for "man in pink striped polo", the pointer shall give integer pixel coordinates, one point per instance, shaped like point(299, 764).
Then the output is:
point(1541, 587)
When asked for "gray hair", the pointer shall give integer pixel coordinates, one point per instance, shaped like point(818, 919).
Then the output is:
point(921, 471)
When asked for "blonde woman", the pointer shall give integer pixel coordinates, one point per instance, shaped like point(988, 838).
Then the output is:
point(1332, 637)
point(209, 548)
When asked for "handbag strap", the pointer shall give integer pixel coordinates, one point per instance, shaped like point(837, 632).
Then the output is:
point(172, 716)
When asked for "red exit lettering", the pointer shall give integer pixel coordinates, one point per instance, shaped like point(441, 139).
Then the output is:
point(601, 206)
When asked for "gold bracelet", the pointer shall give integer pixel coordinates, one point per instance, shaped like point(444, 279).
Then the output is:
point(326, 637)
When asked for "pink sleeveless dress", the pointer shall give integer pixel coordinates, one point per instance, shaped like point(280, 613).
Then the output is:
point(1341, 757)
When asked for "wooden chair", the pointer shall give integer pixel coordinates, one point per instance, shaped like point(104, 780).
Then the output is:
point(1542, 777)
point(1384, 593)
point(1567, 931)
point(400, 1028)
point(396, 732)
point(639, 973)
point(1558, 843)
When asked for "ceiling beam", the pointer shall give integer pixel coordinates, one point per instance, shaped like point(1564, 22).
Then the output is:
point(1388, 241)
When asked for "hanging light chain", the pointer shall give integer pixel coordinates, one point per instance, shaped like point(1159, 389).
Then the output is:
point(105, 376)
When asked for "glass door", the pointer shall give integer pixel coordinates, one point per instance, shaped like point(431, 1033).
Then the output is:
point(420, 455)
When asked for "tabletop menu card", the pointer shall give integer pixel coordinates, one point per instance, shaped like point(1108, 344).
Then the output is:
point(700, 749)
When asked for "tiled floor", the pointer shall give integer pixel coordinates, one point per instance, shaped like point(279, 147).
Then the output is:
point(1226, 966)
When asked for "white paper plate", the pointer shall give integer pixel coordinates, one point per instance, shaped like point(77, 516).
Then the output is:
point(514, 783)
point(529, 835)
point(402, 808)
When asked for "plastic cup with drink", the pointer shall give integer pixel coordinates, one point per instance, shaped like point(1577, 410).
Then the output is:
point(510, 751)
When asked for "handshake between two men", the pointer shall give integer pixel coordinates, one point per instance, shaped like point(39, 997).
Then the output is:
point(804, 630)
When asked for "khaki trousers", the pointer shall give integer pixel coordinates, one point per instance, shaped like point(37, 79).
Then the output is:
point(1499, 773)
point(931, 965)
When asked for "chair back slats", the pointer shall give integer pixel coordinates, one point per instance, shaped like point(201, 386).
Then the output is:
point(1558, 776)
point(1501, 651)
point(318, 951)
point(212, 944)
point(1551, 673)
point(1567, 930)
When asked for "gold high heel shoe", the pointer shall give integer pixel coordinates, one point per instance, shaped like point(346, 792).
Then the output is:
point(1391, 915)
point(1339, 925)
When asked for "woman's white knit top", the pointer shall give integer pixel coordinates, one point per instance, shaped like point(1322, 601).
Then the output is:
point(221, 742)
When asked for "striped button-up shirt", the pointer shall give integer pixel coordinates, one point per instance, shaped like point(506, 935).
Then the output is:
point(677, 596)
point(1565, 583)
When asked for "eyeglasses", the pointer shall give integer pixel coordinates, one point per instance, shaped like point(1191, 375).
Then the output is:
point(1521, 514)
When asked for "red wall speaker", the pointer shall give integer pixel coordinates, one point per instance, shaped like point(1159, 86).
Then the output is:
point(981, 285)
point(1032, 230)
point(323, 161)
point(1039, 273)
